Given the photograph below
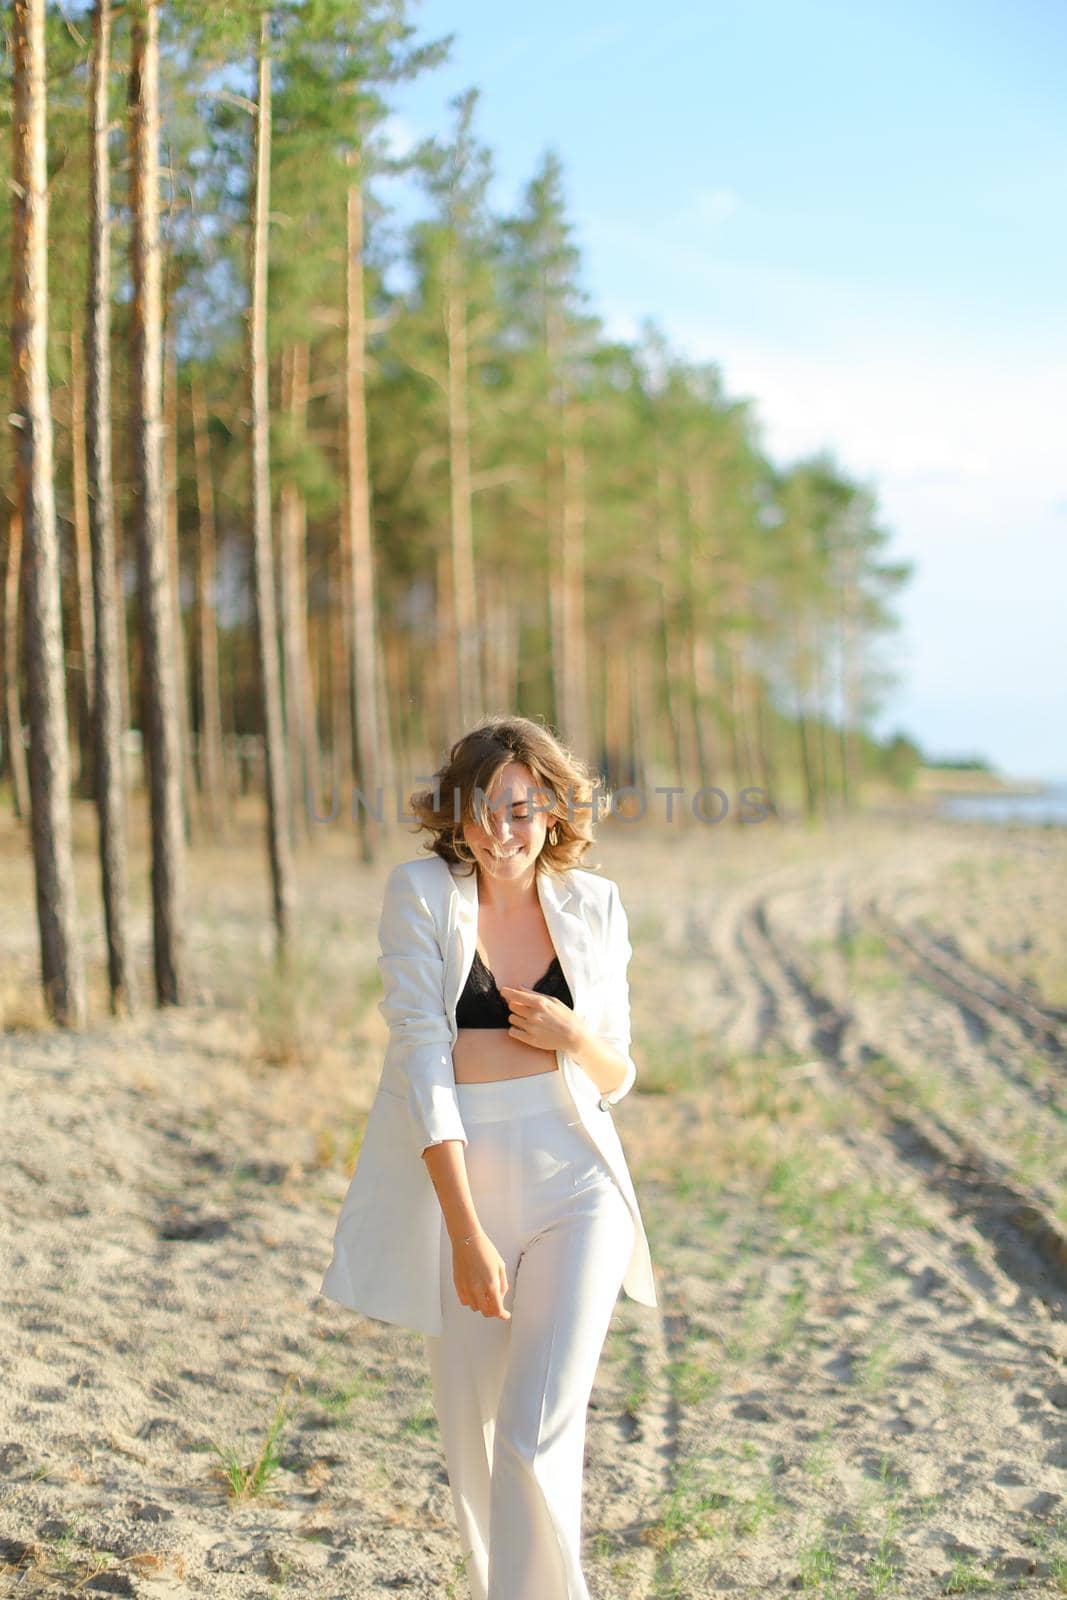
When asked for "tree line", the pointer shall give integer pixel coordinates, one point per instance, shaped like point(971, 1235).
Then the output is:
point(281, 469)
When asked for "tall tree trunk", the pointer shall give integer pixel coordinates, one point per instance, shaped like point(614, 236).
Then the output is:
point(61, 963)
point(266, 610)
point(749, 743)
point(744, 756)
point(617, 714)
point(641, 725)
point(850, 688)
point(20, 781)
point(501, 642)
point(553, 553)
point(665, 584)
point(403, 694)
point(464, 592)
point(722, 620)
point(440, 709)
point(83, 561)
point(387, 755)
point(107, 696)
point(725, 675)
point(807, 766)
point(575, 710)
point(768, 771)
point(677, 679)
point(170, 494)
point(344, 567)
point(291, 534)
point(311, 750)
point(212, 764)
point(701, 694)
point(441, 712)
point(339, 680)
point(826, 792)
point(699, 620)
point(121, 456)
point(370, 755)
point(160, 696)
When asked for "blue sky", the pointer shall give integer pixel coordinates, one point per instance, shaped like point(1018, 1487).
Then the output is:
point(859, 211)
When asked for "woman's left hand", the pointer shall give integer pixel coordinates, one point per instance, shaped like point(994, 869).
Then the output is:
point(541, 1020)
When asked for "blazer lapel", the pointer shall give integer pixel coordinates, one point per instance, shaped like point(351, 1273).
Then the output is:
point(568, 930)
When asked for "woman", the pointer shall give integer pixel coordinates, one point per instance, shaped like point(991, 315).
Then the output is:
point(504, 970)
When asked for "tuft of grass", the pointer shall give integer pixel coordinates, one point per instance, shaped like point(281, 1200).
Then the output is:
point(763, 1506)
point(1050, 1540)
point(336, 1399)
point(422, 1421)
point(817, 1461)
point(688, 1510)
point(790, 1318)
point(692, 1380)
point(704, 1504)
point(818, 1566)
point(246, 1482)
point(608, 1551)
point(75, 1560)
point(873, 1368)
point(636, 1393)
point(966, 1577)
point(459, 1570)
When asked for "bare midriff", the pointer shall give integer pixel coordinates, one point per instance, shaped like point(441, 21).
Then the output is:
point(489, 1055)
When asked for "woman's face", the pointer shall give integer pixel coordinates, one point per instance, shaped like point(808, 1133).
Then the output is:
point(509, 847)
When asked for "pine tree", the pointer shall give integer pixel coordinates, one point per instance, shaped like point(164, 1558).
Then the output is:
point(110, 783)
point(49, 773)
point(282, 883)
point(159, 688)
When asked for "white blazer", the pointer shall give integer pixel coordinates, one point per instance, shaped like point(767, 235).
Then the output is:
point(386, 1261)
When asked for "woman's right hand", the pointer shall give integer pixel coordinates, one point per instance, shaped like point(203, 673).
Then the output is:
point(480, 1276)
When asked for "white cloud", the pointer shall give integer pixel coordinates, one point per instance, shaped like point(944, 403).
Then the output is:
point(714, 205)
point(398, 136)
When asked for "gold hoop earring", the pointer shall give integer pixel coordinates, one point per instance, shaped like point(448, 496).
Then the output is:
point(553, 834)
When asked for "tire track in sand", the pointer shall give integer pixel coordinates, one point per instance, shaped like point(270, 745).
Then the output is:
point(1028, 1244)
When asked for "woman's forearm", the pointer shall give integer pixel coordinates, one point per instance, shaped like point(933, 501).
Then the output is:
point(599, 1059)
point(447, 1167)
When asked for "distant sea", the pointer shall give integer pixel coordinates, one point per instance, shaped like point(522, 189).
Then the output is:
point(1047, 807)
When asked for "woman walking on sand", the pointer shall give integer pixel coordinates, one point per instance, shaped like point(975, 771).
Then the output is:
point(492, 1208)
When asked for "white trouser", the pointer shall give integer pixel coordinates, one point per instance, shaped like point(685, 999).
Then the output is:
point(511, 1397)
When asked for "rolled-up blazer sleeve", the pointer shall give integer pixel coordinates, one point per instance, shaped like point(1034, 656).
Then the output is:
point(420, 1039)
point(616, 1025)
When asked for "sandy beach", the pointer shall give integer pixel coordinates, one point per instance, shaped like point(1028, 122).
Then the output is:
point(849, 1140)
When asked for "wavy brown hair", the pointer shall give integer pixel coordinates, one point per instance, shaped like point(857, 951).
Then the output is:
point(473, 764)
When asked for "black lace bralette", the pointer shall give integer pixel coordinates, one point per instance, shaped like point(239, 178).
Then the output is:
point(481, 1005)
